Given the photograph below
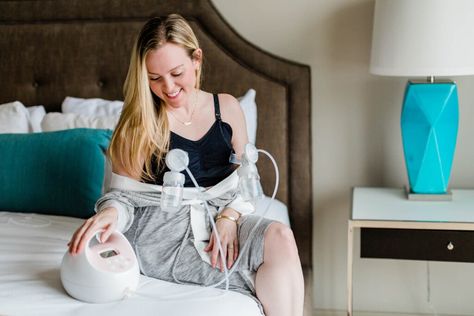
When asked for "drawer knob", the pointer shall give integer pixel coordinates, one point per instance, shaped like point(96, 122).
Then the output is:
point(450, 246)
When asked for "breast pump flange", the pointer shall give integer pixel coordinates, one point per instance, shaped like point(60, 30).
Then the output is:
point(249, 179)
point(176, 160)
point(103, 272)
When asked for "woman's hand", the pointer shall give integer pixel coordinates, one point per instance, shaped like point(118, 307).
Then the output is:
point(104, 220)
point(228, 236)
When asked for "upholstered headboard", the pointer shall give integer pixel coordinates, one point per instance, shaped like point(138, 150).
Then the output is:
point(50, 49)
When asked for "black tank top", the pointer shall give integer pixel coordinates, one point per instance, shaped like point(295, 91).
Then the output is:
point(208, 157)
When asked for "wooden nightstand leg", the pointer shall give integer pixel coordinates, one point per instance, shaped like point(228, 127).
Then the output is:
point(350, 252)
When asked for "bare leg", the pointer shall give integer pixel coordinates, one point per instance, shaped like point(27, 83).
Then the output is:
point(279, 281)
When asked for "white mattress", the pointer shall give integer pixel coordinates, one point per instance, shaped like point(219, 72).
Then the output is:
point(31, 250)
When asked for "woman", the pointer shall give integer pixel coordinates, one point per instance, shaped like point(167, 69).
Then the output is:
point(164, 108)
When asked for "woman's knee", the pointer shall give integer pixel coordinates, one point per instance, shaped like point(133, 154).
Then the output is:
point(280, 238)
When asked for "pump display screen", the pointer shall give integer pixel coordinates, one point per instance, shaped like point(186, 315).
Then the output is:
point(108, 253)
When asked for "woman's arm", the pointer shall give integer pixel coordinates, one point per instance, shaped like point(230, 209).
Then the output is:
point(232, 113)
point(227, 225)
point(111, 215)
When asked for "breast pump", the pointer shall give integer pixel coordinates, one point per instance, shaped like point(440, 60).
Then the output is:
point(177, 160)
point(250, 189)
point(173, 181)
point(109, 271)
point(103, 272)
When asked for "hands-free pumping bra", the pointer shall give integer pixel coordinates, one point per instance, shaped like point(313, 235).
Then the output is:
point(208, 156)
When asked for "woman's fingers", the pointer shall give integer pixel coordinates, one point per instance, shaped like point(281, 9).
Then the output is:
point(221, 261)
point(236, 249)
point(233, 253)
point(230, 249)
point(83, 235)
point(84, 238)
point(106, 234)
point(230, 255)
point(92, 229)
point(215, 258)
point(77, 237)
point(104, 220)
point(210, 244)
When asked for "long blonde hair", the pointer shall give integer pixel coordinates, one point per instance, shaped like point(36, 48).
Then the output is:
point(142, 133)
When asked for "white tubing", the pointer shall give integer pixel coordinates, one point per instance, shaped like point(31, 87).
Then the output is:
point(228, 273)
point(214, 230)
point(244, 247)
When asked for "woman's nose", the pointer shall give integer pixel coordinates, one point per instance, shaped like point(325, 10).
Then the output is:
point(168, 85)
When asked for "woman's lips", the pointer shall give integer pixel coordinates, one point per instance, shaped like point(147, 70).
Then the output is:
point(173, 95)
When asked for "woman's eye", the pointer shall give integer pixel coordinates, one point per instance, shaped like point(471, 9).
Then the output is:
point(155, 78)
point(177, 74)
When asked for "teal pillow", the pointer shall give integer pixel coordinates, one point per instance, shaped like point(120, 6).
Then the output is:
point(58, 173)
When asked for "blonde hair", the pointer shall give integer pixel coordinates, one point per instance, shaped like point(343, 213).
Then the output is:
point(142, 133)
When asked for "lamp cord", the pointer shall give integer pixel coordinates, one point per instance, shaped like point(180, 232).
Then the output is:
point(428, 289)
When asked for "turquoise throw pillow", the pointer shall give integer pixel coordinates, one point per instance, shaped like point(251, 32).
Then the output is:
point(58, 173)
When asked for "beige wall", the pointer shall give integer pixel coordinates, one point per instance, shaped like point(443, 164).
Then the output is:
point(356, 142)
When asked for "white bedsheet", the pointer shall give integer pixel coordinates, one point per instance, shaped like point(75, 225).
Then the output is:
point(31, 250)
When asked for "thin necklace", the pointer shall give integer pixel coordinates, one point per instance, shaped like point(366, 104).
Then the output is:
point(187, 123)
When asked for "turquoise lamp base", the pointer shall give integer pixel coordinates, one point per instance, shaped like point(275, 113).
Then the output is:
point(429, 124)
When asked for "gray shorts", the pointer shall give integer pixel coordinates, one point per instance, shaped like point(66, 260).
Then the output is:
point(164, 245)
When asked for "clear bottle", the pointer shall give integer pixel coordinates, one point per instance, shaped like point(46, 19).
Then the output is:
point(172, 193)
point(249, 182)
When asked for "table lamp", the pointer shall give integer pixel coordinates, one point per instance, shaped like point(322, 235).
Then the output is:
point(425, 39)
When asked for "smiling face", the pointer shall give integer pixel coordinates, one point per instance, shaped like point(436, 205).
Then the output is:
point(172, 74)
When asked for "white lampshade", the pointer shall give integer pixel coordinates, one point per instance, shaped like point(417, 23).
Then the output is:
point(423, 38)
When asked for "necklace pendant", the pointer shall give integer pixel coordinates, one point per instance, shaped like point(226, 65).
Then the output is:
point(187, 123)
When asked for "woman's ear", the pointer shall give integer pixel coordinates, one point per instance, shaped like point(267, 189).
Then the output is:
point(197, 56)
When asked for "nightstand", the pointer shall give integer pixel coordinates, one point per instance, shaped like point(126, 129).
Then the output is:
point(388, 213)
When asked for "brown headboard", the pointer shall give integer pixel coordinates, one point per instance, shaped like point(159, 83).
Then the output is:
point(50, 49)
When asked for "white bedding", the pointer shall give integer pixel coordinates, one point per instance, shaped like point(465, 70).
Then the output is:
point(31, 250)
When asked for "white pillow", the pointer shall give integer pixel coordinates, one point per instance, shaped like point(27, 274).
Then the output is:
point(100, 108)
point(92, 107)
point(14, 118)
point(247, 102)
point(36, 115)
point(277, 210)
point(60, 121)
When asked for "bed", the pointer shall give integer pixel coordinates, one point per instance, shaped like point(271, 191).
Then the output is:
point(57, 48)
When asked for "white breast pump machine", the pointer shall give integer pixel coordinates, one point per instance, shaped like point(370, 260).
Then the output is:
point(103, 272)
